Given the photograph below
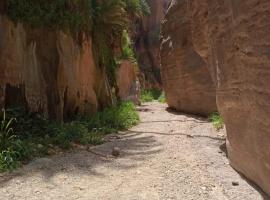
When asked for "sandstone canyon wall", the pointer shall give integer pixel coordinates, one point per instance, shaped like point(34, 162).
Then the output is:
point(232, 41)
point(126, 81)
point(49, 72)
point(146, 38)
point(186, 79)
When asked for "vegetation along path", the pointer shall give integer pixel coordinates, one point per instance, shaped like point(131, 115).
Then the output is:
point(167, 156)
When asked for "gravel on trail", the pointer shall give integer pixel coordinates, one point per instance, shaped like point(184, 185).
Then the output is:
point(167, 156)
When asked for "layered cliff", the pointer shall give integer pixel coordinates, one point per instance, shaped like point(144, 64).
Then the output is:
point(231, 40)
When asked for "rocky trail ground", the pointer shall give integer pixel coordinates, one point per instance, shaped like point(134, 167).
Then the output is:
point(167, 156)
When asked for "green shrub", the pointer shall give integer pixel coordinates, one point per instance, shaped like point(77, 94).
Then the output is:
point(162, 98)
point(94, 137)
point(8, 160)
point(146, 96)
point(120, 117)
point(127, 51)
point(150, 95)
point(68, 133)
point(60, 14)
point(27, 124)
point(140, 7)
point(9, 154)
point(36, 141)
point(217, 121)
point(24, 149)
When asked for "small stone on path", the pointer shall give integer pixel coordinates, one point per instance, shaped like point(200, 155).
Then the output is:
point(235, 183)
point(116, 151)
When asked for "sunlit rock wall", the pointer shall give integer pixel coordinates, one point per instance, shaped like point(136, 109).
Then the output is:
point(49, 72)
point(233, 39)
point(186, 79)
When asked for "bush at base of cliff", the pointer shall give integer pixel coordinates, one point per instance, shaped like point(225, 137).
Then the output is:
point(8, 160)
point(34, 136)
point(152, 95)
point(217, 121)
point(120, 117)
point(162, 98)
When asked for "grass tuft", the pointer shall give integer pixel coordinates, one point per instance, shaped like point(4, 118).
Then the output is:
point(162, 98)
point(217, 121)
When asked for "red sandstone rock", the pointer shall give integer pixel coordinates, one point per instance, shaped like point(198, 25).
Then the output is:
point(233, 39)
point(147, 44)
point(186, 79)
point(239, 34)
point(49, 72)
point(126, 81)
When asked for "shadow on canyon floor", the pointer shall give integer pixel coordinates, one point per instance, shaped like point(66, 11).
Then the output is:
point(193, 116)
point(182, 134)
point(255, 186)
point(86, 162)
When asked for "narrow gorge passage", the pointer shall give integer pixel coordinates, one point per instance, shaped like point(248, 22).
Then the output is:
point(167, 156)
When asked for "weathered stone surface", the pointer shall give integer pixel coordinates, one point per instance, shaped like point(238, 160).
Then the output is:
point(49, 72)
point(147, 46)
point(239, 34)
point(186, 79)
point(233, 38)
point(126, 81)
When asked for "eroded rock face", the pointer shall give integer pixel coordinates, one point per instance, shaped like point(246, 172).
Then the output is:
point(186, 79)
point(239, 34)
point(233, 38)
point(147, 45)
point(126, 81)
point(49, 72)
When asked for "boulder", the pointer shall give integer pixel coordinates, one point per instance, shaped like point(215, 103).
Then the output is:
point(186, 79)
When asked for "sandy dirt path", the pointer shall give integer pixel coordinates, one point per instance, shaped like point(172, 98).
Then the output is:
point(167, 156)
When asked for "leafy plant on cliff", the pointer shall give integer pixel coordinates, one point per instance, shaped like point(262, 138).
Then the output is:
point(103, 20)
point(69, 15)
point(139, 7)
point(109, 21)
point(127, 51)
